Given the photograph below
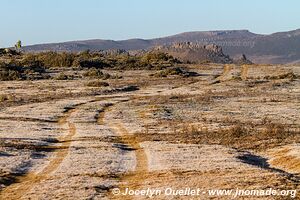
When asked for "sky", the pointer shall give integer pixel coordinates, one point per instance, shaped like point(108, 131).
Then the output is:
point(47, 21)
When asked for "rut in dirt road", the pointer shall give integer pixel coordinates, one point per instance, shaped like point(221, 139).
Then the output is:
point(131, 179)
point(225, 72)
point(244, 72)
point(24, 183)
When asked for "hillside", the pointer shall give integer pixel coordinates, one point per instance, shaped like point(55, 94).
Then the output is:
point(283, 47)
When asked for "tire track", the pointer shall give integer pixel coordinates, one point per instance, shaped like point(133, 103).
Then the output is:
point(27, 119)
point(133, 179)
point(24, 184)
point(226, 70)
point(244, 72)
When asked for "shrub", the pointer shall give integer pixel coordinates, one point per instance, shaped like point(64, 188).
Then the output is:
point(99, 60)
point(126, 62)
point(236, 131)
point(97, 83)
point(15, 71)
point(49, 59)
point(156, 57)
point(53, 59)
point(9, 72)
point(174, 71)
point(6, 97)
point(31, 60)
point(3, 97)
point(63, 76)
point(290, 75)
point(96, 73)
point(91, 63)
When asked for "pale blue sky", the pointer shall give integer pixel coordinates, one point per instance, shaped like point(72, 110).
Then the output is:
point(41, 21)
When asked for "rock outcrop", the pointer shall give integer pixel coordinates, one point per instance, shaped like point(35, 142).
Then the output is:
point(243, 60)
point(196, 52)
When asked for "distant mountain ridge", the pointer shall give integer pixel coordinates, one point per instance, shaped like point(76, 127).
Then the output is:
point(281, 47)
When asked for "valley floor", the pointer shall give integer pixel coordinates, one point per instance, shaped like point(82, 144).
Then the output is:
point(228, 128)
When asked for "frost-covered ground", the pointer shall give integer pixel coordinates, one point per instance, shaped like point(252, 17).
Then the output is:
point(84, 145)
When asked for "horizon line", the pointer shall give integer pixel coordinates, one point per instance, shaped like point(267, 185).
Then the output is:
point(140, 38)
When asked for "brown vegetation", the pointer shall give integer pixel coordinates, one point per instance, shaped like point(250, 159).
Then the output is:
point(97, 83)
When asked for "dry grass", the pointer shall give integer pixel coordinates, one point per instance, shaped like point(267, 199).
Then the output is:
point(6, 97)
point(63, 76)
point(244, 136)
point(289, 75)
point(287, 160)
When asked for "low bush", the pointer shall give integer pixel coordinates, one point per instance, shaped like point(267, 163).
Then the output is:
point(9, 72)
point(97, 73)
point(48, 59)
point(32, 66)
point(174, 71)
point(6, 97)
point(63, 76)
point(97, 83)
point(91, 63)
point(289, 75)
point(3, 97)
point(15, 71)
